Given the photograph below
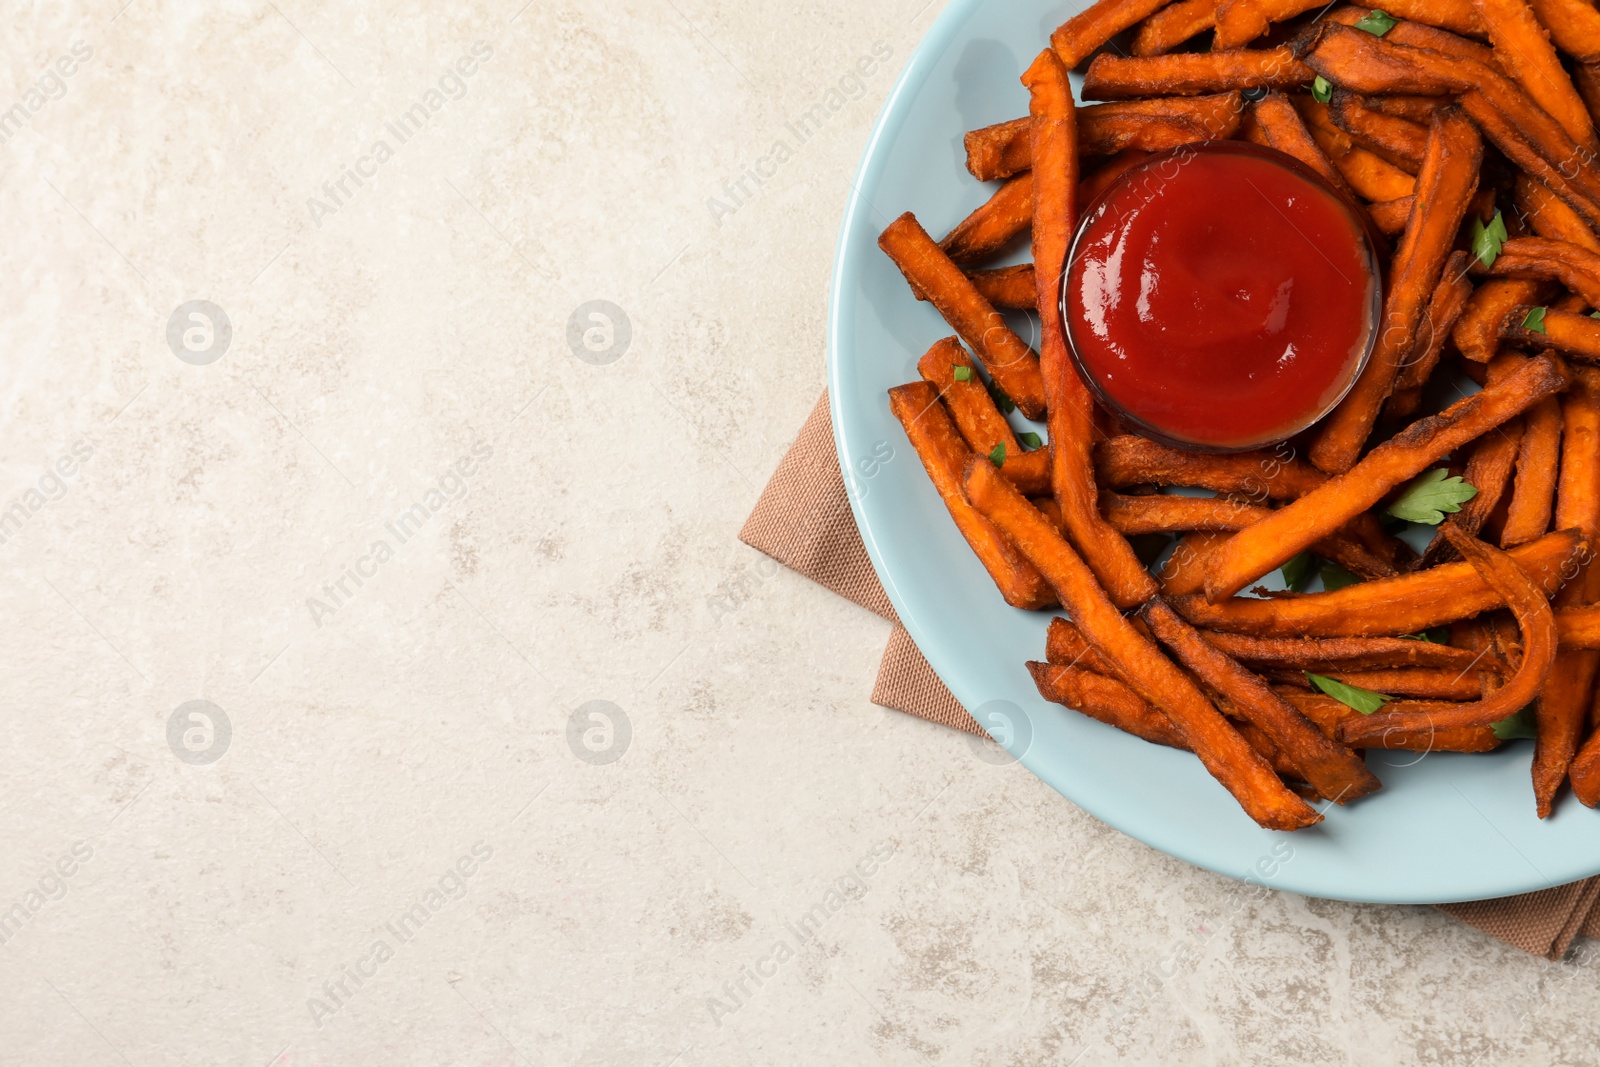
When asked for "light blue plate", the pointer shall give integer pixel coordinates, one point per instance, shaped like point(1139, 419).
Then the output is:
point(1444, 827)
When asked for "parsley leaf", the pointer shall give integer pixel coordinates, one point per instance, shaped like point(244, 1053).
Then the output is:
point(1439, 635)
point(998, 456)
point(1336, 577)
point(1534, 320)
point(1031, 439)
point(1594, 314)
point(1298, 572)
point(1321, 90)
point(1000, 399)
point(962, 374)
point(1430, 495)
point(1377, 22)
point(1486, 240)
point(1514, 726)
point(1363, 700)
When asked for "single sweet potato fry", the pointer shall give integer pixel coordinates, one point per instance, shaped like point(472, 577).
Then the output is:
point(1391, 216)
point(1184, 571)
point(938, 444)
point(1574, 26)
point(1156, 125)
point(1278, 125)
point(1410, 603)
point(1173, 25)
point(1446, 184)
point(1533, 492)
point(1160, 513)
point(1075, 39)
point(1535, 620)
point(1332, 769)
point(980, 423)
point(1576, 335)
point(1132, 515)
point(1549, 215)
point(1128, 460)
point(1330, 715)
point(1578, 492)
point(1105, 700)
point(1007, 287)
point(1011, 363)
point(1372, 177)
point(1477, 332)
point(1070, 408)
point(1584, 773)
point(1399, 141)
point(1006, 148)
point(1524, 51)
point(1241, 21)
point(994, 225)
point(1560, 716)
point(1426, 683)
point(1225, 754)
point(999, 151)
point(1192, 73)
point(1254, 551)
point(1417, 109)
point(1445, 307)
point(1065, 644)
point(1573, 266)
point(1326, 654)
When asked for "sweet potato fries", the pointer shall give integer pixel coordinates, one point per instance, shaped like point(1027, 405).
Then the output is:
point(1457, 126)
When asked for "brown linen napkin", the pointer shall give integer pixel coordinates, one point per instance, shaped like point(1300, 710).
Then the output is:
point(803, 521)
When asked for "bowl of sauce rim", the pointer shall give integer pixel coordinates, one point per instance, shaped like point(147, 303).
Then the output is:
point(1258, 301)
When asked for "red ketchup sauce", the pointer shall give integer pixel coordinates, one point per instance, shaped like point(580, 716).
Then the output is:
point(1221, 296)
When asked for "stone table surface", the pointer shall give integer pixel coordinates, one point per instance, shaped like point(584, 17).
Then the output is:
point(309, 417)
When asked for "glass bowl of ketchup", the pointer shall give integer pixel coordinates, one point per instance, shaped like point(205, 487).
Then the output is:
point(1221, 296)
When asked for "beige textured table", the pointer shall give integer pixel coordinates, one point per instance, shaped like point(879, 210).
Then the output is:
point(417, 503)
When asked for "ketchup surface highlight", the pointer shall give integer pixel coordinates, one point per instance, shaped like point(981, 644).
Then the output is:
point(1221, 296)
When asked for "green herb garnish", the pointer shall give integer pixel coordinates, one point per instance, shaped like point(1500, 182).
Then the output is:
point(1000, 399)
point(1377, 23)
point(1321, 90)
point(1363, 700)
point(963, 374)
point(1486, 240)
point(1430, 496)
point(1336, 577)
point(998, 456)
point(1298, 572)
point(1534, 320)
point(1514, 726)
point(1031, 439)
